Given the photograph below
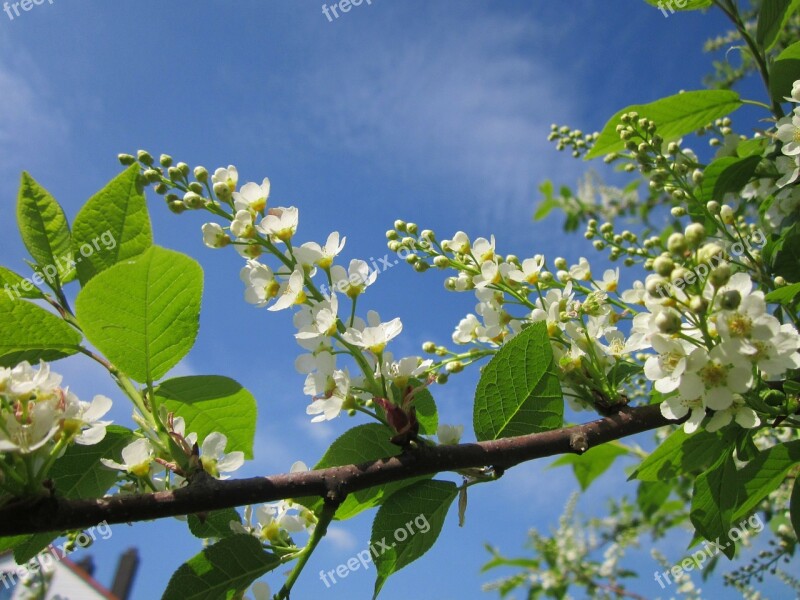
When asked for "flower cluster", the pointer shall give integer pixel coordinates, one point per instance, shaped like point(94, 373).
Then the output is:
point(38, 420)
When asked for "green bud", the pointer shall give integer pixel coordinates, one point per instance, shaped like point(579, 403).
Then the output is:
point(184, 169)
point(429, 347)
point(668, 322)
point(441, 262)
point(455, 366)
point(774, 398)
point(698, 305)
point(196, 187)
point(450, 284)
point(176, 206)
point(126, 160)
point(713, 207)
point(152, 176)
point(442, 378)
point(560, 263)
point(165, 160)
point(201, 174)
point(710, 252)
point(421, 266)
point(144, 157)
point(428, 234)
point(411, 228)
point(174, 173)
point(193, 200)
point(676, 243)
point(720, 276)
point(391, 234)
point(162, 188)
point(663, 265)
point(400, 225)
point(678, 211)
point(695, 233)
point(730, 300)
point(222, 191)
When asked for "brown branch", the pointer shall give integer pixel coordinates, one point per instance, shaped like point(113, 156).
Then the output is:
point(56, 514)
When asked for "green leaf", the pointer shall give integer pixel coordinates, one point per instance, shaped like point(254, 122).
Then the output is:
point(114, 224)
point(548, 203)
point(408, 524)
point(361, 444)
point(751, 147)
point(211, 403)
point(675, 116)
point(215, 524)
point(17, 287)
point(223, 570)
point(784, 295)
point(713, 500)
point(651, 495)
point(784, 72)
point(44, 229)
point(794, 507)
point(427, 415)
point(770, 20)
point(591, 464)
point(77, 475)
point(726, 175)
point(519, 392)
point(681, 453)
point(143, 314)
point(762, 475)
point(28, 332)
point(786, 257)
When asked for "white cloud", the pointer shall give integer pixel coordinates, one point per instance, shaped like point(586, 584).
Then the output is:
point(341, 539)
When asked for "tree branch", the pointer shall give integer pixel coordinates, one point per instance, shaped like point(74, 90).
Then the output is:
point(56, 514)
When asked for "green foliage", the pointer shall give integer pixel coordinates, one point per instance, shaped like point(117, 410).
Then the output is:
point(143, 314)
point(519, 392)
point(681, 454)
point(118, 210)
point(17, 287)
point(592, 463)
point(770, 21)
point(426, 502)
point(30, 333)
point(784, 295)
point(688, 5)
point(785, 71)
point(216, 524)
point(713, 503)
point(211, 403)
point(674, 116)
point(726, 175)
point(359, 445)
point(44, 229)
point(223, 570)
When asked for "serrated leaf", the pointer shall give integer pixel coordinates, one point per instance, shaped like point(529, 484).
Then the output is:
point(211, 403)
point(28, 332)
point(15, 286)
point(419, 511)
point(784, 295)
point(681, 453)
point(762, 475)
point(674, 116)
point(591, 464)
point(713, 499)
point(727, 174)
point(222, 570)
point(118, 214)
point(770, 20)
point(143, 314)
point(784, 72)
point(44, 229)
point(519, 392)
point(786, 254)
point(361, 444)
point(216, 524)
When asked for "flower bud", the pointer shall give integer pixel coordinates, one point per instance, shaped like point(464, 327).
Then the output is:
point(428, 234)
point(176, 206)
point(441, 262)
point(412, 228)
point(162, 188)
point(727, 215)
point(663, 265)
point(720, 276)
point(196, 187)
point(165, 160)
point(429, 347)
point(193, 200)
point(695, 233)
point(560, 263)
point(676, 243)
point(442, 378)
point(201, 174)
point(698, 305)
point(713, 207)
point(730, 300)
point(450, 284)
point(710, 252)
point(394, 245)
point(678, 211)
point(174, 173)
point(391, 234)
point(455, 366)
point(657, 286)
point(144, 157)
point(222, 191)
point(152, 176)
point(126, 159)
point(400, 225)
point(421, 266)
point(668, 322)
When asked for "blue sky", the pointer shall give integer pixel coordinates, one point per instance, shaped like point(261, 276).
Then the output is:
point(435, 112)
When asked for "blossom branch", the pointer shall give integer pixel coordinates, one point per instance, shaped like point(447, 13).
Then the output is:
point(56, 514)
